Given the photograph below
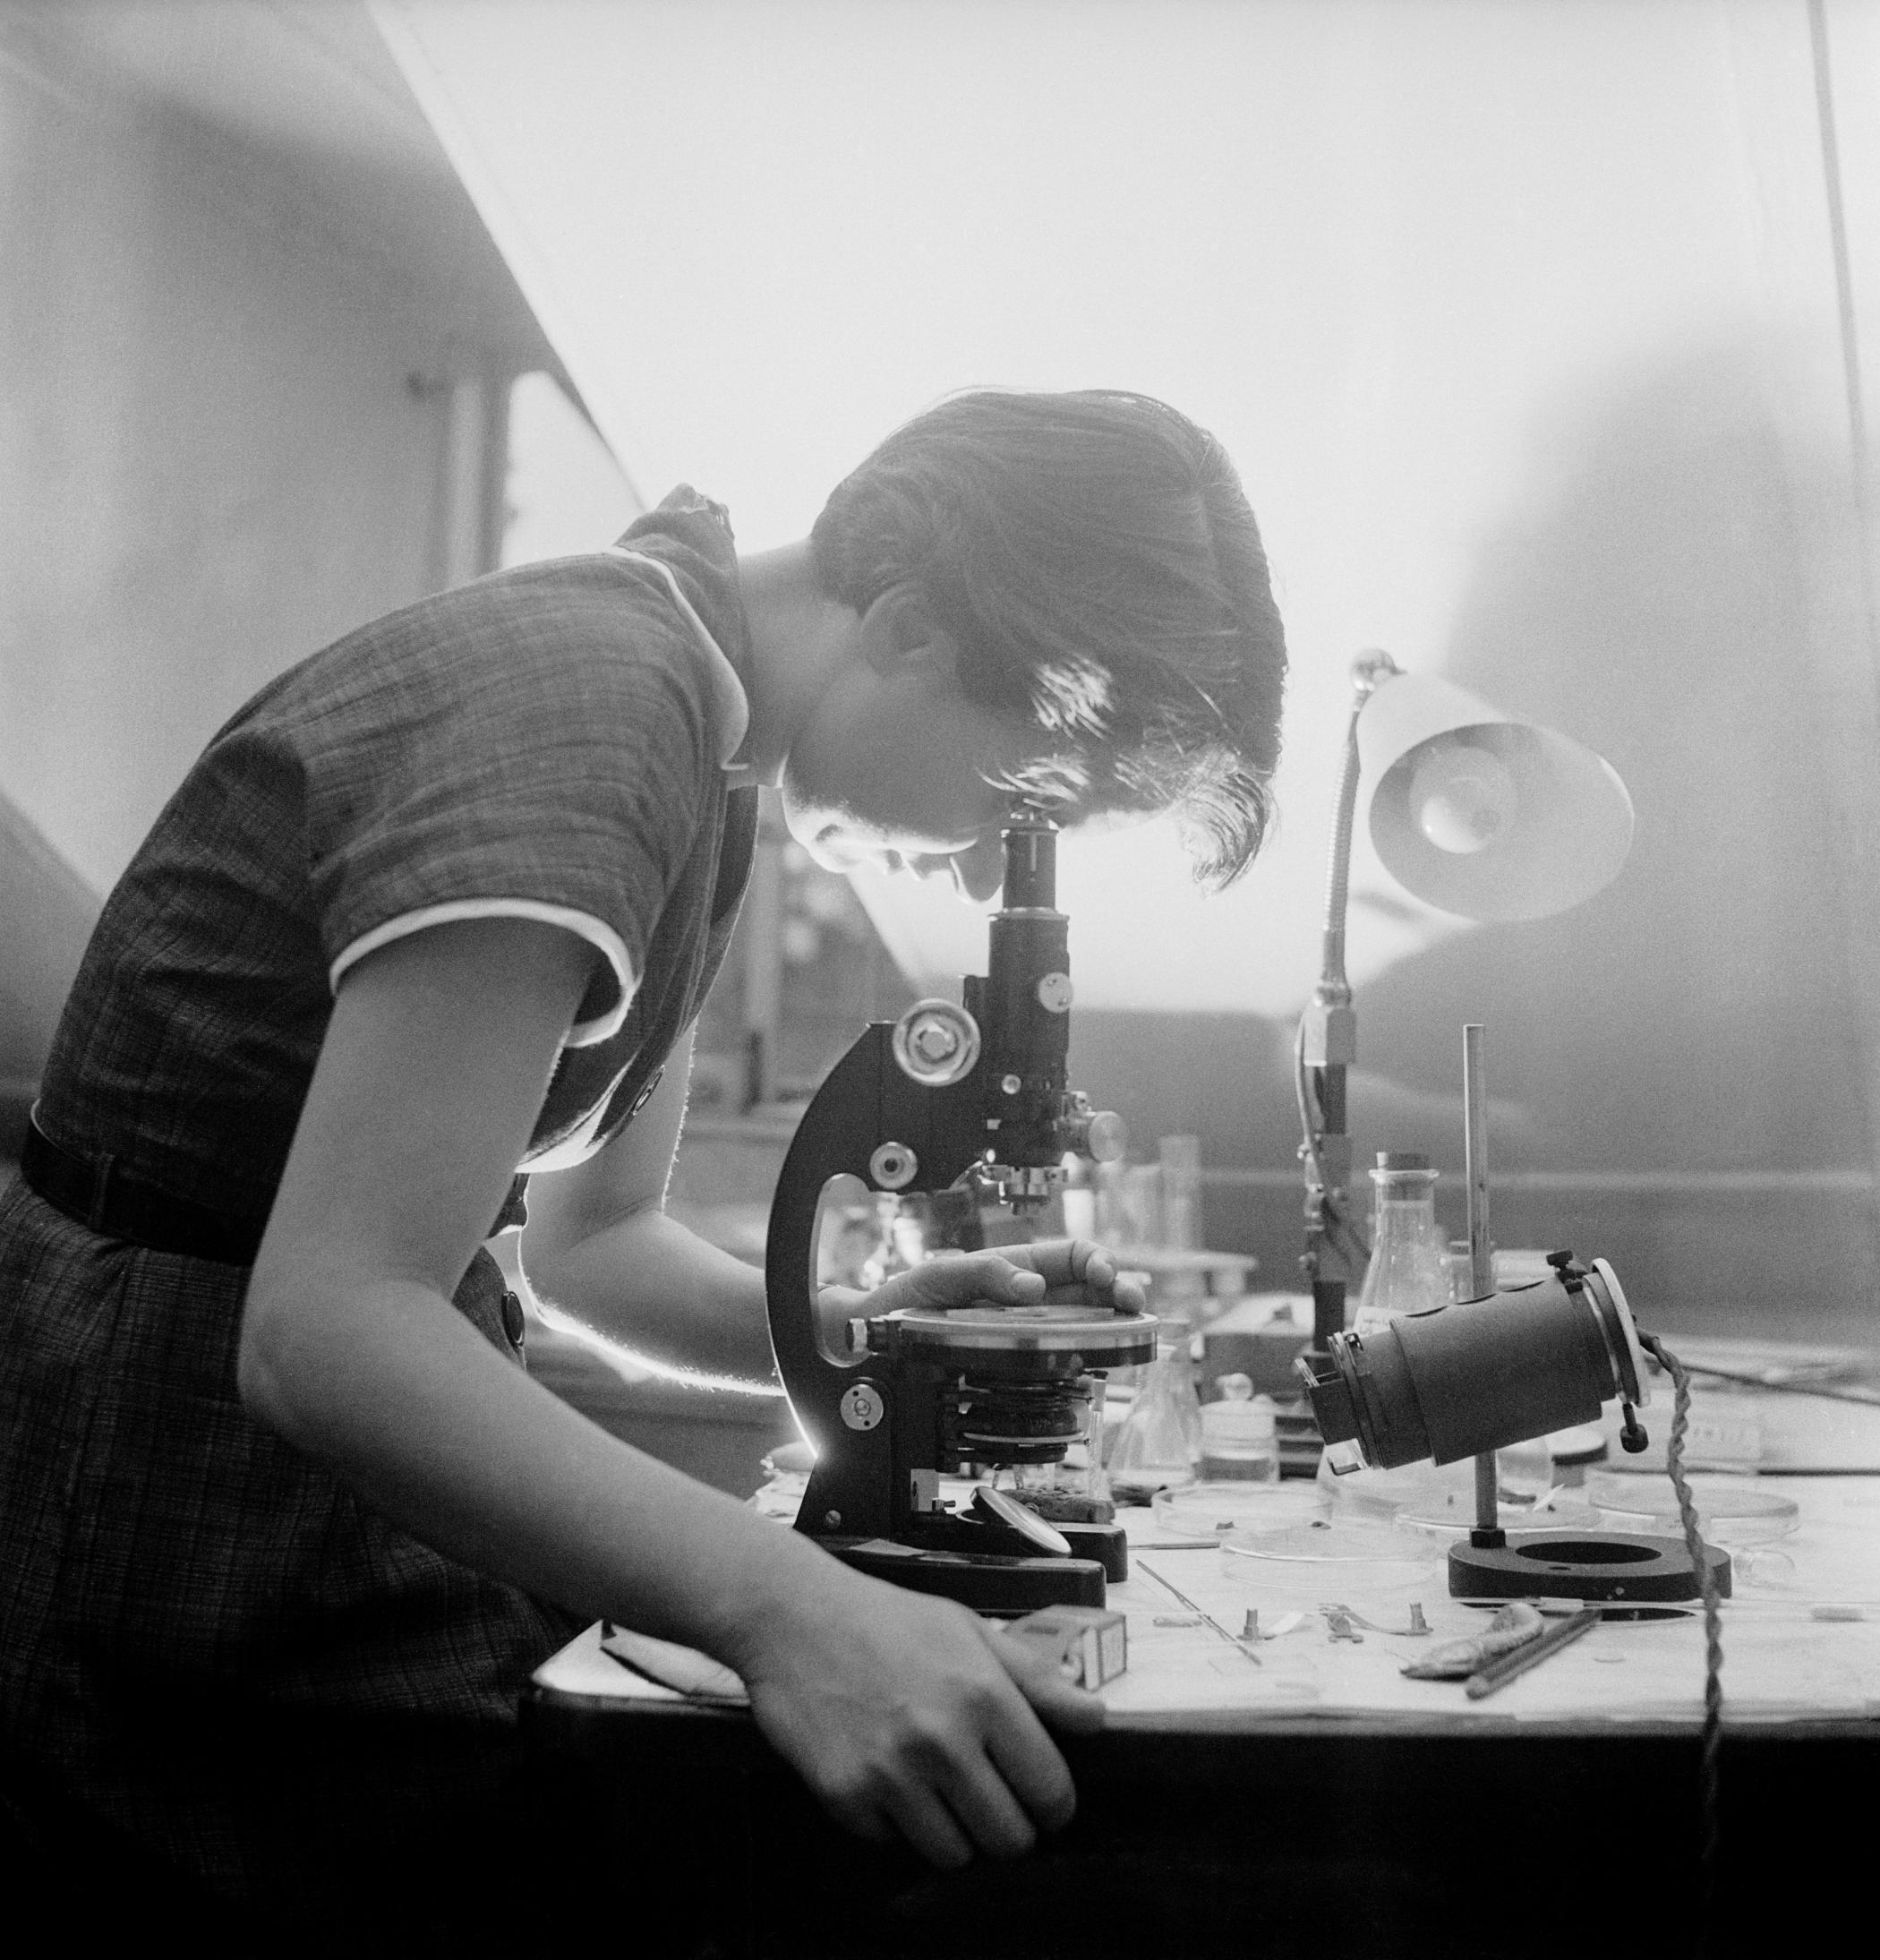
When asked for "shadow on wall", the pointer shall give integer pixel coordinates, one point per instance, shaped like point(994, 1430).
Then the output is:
point(1695, 1026)
point(1699, 1014)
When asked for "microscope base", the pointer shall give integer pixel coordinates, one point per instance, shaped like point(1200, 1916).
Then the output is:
point(987, 1582)
point(1108, 1545)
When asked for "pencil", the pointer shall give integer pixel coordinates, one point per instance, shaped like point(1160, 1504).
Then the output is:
point(1502, 1670)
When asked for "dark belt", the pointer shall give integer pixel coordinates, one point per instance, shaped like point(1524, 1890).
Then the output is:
point(118, 1205)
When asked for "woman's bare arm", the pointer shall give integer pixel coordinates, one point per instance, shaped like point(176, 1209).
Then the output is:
point(600, 1248)
point(901, 1712)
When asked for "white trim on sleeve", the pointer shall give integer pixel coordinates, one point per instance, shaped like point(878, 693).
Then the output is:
point(598, 934)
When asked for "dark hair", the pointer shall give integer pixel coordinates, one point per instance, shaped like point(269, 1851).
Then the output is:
point(1093, 556)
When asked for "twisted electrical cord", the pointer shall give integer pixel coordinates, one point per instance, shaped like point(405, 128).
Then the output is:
point(1709, 1752)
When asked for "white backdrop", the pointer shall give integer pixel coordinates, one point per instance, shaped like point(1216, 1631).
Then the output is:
point(1372, 243)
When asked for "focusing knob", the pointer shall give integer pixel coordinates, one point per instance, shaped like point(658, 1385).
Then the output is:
point(935, 1043)
point(1056, 993)
point(893, 1166)
point(1099, 1134)
point(862, 1406)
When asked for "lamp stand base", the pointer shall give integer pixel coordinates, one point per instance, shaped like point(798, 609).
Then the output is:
point(1602, 1565)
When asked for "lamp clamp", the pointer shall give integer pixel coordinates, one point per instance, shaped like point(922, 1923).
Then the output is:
point(1330, 1038)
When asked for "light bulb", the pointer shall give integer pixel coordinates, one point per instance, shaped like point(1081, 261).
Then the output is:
point(1461, 798)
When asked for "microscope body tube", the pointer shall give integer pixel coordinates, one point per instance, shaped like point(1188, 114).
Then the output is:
point(1022, 1003)
point(1456, 1381)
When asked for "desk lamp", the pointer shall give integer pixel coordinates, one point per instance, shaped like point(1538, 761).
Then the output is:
point(1494, 819)
point(1477, 813)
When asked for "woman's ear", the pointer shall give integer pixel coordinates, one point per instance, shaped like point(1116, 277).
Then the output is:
point(899, 634)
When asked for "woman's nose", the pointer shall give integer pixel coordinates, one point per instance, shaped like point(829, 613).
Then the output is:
point(980, 871)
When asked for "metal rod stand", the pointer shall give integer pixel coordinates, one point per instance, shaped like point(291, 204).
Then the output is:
point(1487, 1533)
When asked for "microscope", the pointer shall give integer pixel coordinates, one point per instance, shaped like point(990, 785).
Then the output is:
point(959, 1111)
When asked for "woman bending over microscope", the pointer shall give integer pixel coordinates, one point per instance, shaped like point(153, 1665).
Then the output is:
point(284, 1525)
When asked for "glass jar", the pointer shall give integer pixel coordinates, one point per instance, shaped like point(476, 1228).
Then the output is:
point(1240, 1442)
point(1159, 1443)
point(1409, 1269)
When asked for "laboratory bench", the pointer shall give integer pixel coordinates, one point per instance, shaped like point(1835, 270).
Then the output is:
point(1296, 1794)
point(1317, 1839)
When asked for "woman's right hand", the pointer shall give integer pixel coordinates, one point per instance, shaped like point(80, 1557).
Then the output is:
point(905, 1713)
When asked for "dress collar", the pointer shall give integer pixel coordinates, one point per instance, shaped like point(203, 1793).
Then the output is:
point(687, 539)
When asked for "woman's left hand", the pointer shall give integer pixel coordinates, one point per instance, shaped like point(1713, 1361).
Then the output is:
point(1059, 1271)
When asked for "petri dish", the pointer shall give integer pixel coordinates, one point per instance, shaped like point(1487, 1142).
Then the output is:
point(1455, 1520)
point(1370, 1569)
point(1731, 1509)
point(1441, 1501)
point(1219, 1509)
point(1327, 1543)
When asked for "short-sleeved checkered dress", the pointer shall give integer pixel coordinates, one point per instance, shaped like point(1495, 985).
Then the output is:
point(206, 1640)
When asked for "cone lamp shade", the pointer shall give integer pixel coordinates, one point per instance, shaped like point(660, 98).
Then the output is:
point(1480, 813)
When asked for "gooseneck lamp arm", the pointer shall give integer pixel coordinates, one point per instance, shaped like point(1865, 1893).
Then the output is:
point(1335, 1252)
